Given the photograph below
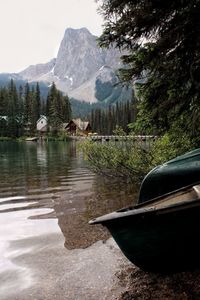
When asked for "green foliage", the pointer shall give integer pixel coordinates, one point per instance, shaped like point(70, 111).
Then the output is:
point(80, 109)
point(37, 102)
point(162, 39)
point(143, 125)
point(119, 131)
point(133, 161)
point(63, 136)
point(169, 147)
point(58, 109)
point(20, 109)
point(105, 121)
point(60, 136)
point(115, 161)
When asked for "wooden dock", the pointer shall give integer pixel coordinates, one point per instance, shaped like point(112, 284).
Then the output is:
point(31, 139)
point(143, 140)
point(122, 137)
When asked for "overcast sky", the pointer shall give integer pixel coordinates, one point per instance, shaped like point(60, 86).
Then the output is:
point(31, 30)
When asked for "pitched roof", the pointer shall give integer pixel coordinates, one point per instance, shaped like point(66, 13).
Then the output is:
point(42, 117)
point(64, 125)
point(82, 125)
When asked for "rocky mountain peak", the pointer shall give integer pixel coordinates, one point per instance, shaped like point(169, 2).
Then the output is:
point(71, 31)
point(79, 64)
point(78, 57)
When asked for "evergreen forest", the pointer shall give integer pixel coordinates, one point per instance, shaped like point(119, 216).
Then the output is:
point(161, 42)
point(20, 108)
point(115, 119)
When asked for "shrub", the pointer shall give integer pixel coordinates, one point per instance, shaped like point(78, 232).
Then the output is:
point(133, 162)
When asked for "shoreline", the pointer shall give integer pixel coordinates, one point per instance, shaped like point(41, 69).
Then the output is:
point(46, 270)
point(140, 285)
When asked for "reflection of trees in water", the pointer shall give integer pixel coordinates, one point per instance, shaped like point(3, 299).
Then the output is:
point(111, 196)
point(36, 165)
point(54, 174)
point(102, 197)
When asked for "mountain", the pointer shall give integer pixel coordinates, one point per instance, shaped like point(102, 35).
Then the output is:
point(5, 79)
point(81, 69)
point(35, 72)
point(102, 87)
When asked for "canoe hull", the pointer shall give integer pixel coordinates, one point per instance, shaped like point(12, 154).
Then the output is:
point(161, 233)
point(172, 175)
point(160, 242)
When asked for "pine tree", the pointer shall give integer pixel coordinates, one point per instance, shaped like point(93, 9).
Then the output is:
point(3, 112)
point(66, 109)
point(21, 111)
point(12, 111)
point(27, 104)
point(38, 101)
point(33, 111)
point(58, 109)
point(161, 39)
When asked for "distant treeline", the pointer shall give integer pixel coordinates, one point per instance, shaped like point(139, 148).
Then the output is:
point(21, 108)
point(105, 121)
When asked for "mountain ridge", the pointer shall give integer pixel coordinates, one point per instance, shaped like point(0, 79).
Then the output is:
point(81, 69)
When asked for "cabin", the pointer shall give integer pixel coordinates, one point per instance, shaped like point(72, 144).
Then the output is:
point(42, 124)
point(77, 127)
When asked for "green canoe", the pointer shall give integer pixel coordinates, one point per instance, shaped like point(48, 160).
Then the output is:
point(172, 175)
point(160, 233)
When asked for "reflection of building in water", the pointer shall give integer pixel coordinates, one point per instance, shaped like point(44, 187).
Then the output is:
point(73, 149)
point(51, 175)
point(54, 159)
point(41, 155)
point(42, 164)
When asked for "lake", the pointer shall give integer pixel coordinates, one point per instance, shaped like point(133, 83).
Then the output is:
point(47, 196)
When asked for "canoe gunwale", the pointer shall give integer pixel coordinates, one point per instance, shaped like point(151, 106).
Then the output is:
point(151, 201)
point(182, 158)
point(142, 209)
point(171, 175)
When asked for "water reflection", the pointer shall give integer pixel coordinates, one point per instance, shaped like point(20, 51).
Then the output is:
point(18, 240)
point(85, 201)
point(47, 196)
point(54, 175)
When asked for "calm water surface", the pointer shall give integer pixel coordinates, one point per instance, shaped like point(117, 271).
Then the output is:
point(47, 195)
